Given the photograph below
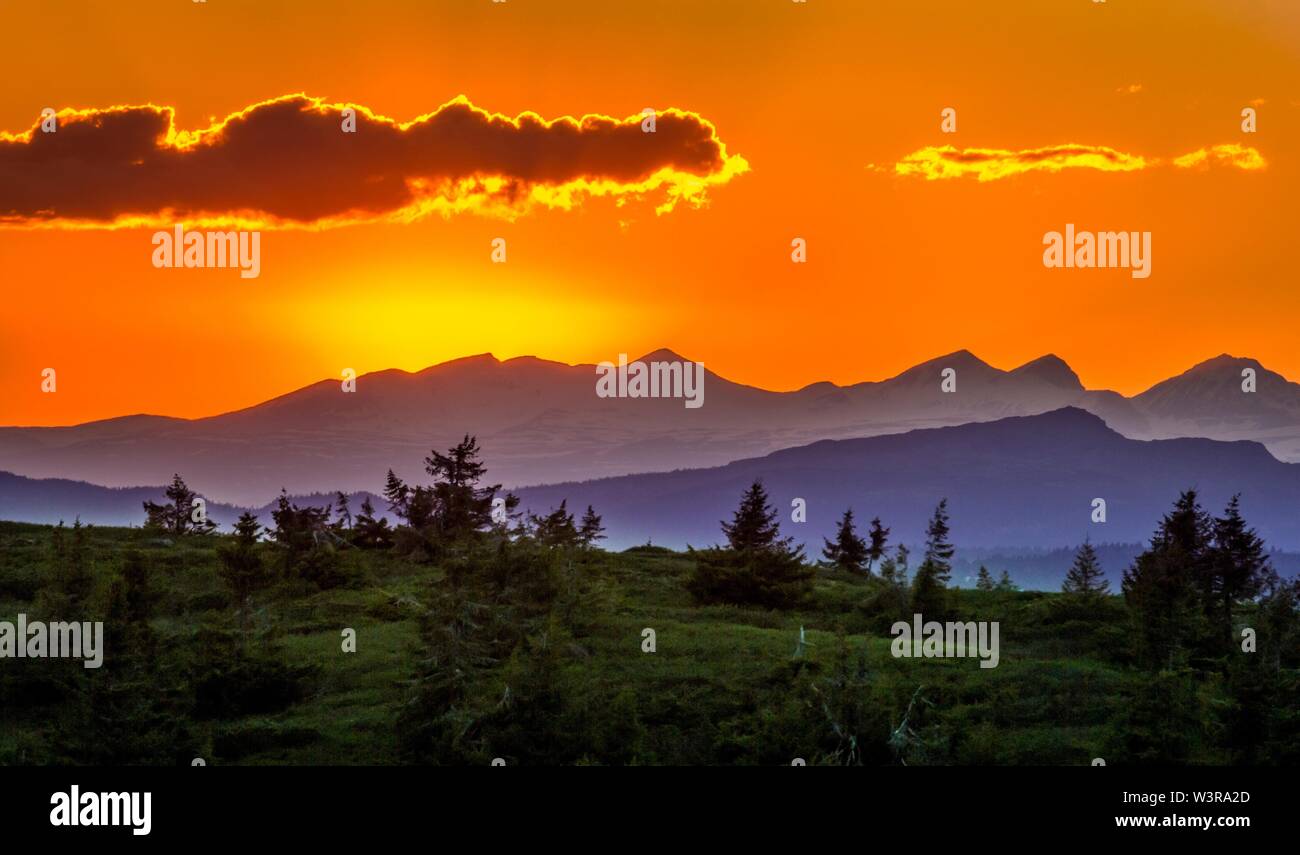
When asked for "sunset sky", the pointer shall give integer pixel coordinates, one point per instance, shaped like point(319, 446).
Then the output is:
point(818, 120)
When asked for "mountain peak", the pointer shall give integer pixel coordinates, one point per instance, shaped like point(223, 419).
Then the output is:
point(1052, 369)
point(478, 360)
point(1221, 362)
point(957, 359)
point(663, 354)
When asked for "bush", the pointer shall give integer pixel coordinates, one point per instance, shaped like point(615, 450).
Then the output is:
point(772, 578)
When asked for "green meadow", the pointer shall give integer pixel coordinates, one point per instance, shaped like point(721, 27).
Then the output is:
point(570, 678)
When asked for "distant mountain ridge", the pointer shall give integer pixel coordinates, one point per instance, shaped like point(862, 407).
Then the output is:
point(1020, 483)
point(541, 421)
point(1024, 480)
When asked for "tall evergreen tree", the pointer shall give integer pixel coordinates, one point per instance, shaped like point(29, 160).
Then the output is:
point(759, 567)
point(591, 529)
point(984, 581)
point(847, 551)
point(877, 537)
point(177, 516)
point(396, 492)
point(342, 511)
point(369, 532)
point(894, 568)
point(461, 506)
point(1161, 587)
point(297, 530)
point(556, 529)
point(1236, 569)
point(754, 524)
point(1085, 577)
point(930, 586)
point(242, 568)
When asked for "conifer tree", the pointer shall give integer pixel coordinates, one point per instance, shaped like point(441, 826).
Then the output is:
point(754, 524)
point(901, 557)
point(847, 551)
point(1005, 584)
point(591, 529)
point(984, 581)
point(396, 491)
point(1085, 577)
point(1161, 587)
point(297, 529)
point(556, 528)
point(759, 567)
point(176, 516)
point(242, 568)
point(877, 537)
point(342, 510)
point(371, 533)
point(930, 587)
point(460, 506)
point(1236, 569)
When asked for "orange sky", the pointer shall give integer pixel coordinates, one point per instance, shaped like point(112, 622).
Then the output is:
point(820, 99)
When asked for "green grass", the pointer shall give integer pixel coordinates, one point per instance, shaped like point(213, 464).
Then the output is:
point(722, 686)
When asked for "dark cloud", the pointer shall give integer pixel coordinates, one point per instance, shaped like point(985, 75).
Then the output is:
point(289, 161)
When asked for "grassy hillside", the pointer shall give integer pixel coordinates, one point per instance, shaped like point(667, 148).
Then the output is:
point(724, 684)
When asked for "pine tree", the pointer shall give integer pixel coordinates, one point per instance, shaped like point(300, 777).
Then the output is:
point(930, 587)
point(759, 567)
point(242, 568)
point(344, 513)
point(938, 550)
point(1279, 617)
point(1236, 569)
point(878, 537)
point(754, 524)
point(1161, 587)
point(396, 491)
point(420, 507)
point(371, 533)
point(984, 581)
point(1085, 577)
point(847, 551)
point(894, 568)
point(1005, 585)
point(297, 530)
point(176, 517)
point(591, 529)
point(461, 506)
point(556, 529)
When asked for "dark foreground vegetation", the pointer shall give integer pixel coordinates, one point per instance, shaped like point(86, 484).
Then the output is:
point(470, 632)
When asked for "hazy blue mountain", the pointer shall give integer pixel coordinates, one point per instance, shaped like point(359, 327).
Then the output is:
point(542, 422)
point(537, 421)
point(1026, 481)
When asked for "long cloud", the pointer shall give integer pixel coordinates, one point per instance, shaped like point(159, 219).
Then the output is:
point(287, 162)
point(936, 163)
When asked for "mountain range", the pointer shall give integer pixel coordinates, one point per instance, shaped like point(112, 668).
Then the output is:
point(1028, 482)
point(541, 422)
